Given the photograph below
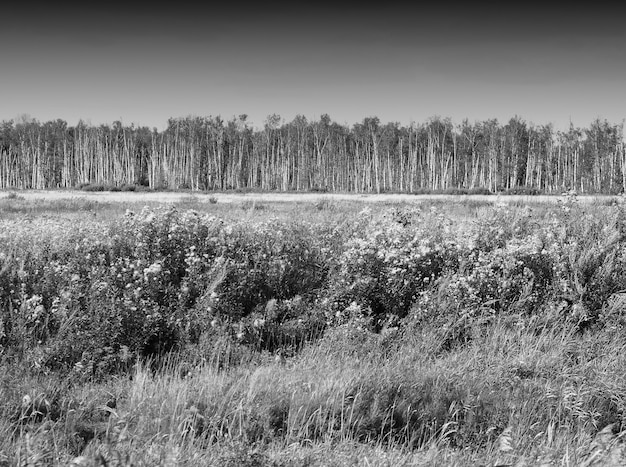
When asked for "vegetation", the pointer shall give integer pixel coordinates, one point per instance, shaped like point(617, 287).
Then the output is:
point(400, 334)
point(211, 154)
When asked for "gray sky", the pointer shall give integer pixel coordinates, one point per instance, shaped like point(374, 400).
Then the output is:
point(144, 65)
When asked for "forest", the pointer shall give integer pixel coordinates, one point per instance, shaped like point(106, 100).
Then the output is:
point(209, 153)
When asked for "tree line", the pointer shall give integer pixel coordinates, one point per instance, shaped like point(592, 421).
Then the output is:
point(209, 153)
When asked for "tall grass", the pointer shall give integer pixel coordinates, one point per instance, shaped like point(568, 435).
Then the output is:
point(512, 395)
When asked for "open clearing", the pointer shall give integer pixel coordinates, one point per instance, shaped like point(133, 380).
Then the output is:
point(204, 197)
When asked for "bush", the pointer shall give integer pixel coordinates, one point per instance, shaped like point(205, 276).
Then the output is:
point(479, 191)
point(163, 280)
point(253, 205)
point(156, 281)
point(14, 196)
point(383, 273)
point(454, 191)
point(98, 187)
point(523, 190)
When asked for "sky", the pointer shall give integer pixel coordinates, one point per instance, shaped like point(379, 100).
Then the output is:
point(145, 64)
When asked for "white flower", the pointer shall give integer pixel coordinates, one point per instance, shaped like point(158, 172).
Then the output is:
point(154, 269)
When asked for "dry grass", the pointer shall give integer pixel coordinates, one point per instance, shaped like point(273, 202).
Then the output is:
point(533, 403)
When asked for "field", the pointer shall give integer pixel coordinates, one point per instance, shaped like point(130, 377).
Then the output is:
point(299, 330)
point(283, 197)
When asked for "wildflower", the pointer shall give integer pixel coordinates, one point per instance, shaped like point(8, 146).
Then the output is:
point(154, 269)
point(505, 441)
point(26, 401)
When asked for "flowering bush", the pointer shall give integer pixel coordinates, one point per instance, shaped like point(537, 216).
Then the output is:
point(151, 283)
point(90, 299)
point(270, 262)
point(384, 271)
point(518, 274)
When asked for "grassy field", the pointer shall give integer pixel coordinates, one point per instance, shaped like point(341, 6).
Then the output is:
point(301, 330)
point(278, 197)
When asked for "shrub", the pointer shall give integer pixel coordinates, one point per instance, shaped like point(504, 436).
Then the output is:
point(479, 191)
point(520, 275)
point(422, 191)
point(98, 187)
point(454, 191)
point(13, 195)
point(156, 281)
point(253, 205)
point(523, 190)
point(324, 205)
point(384, 272)
point(163, 280)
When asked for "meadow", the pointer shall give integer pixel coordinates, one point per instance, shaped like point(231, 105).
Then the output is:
point(260, 330)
